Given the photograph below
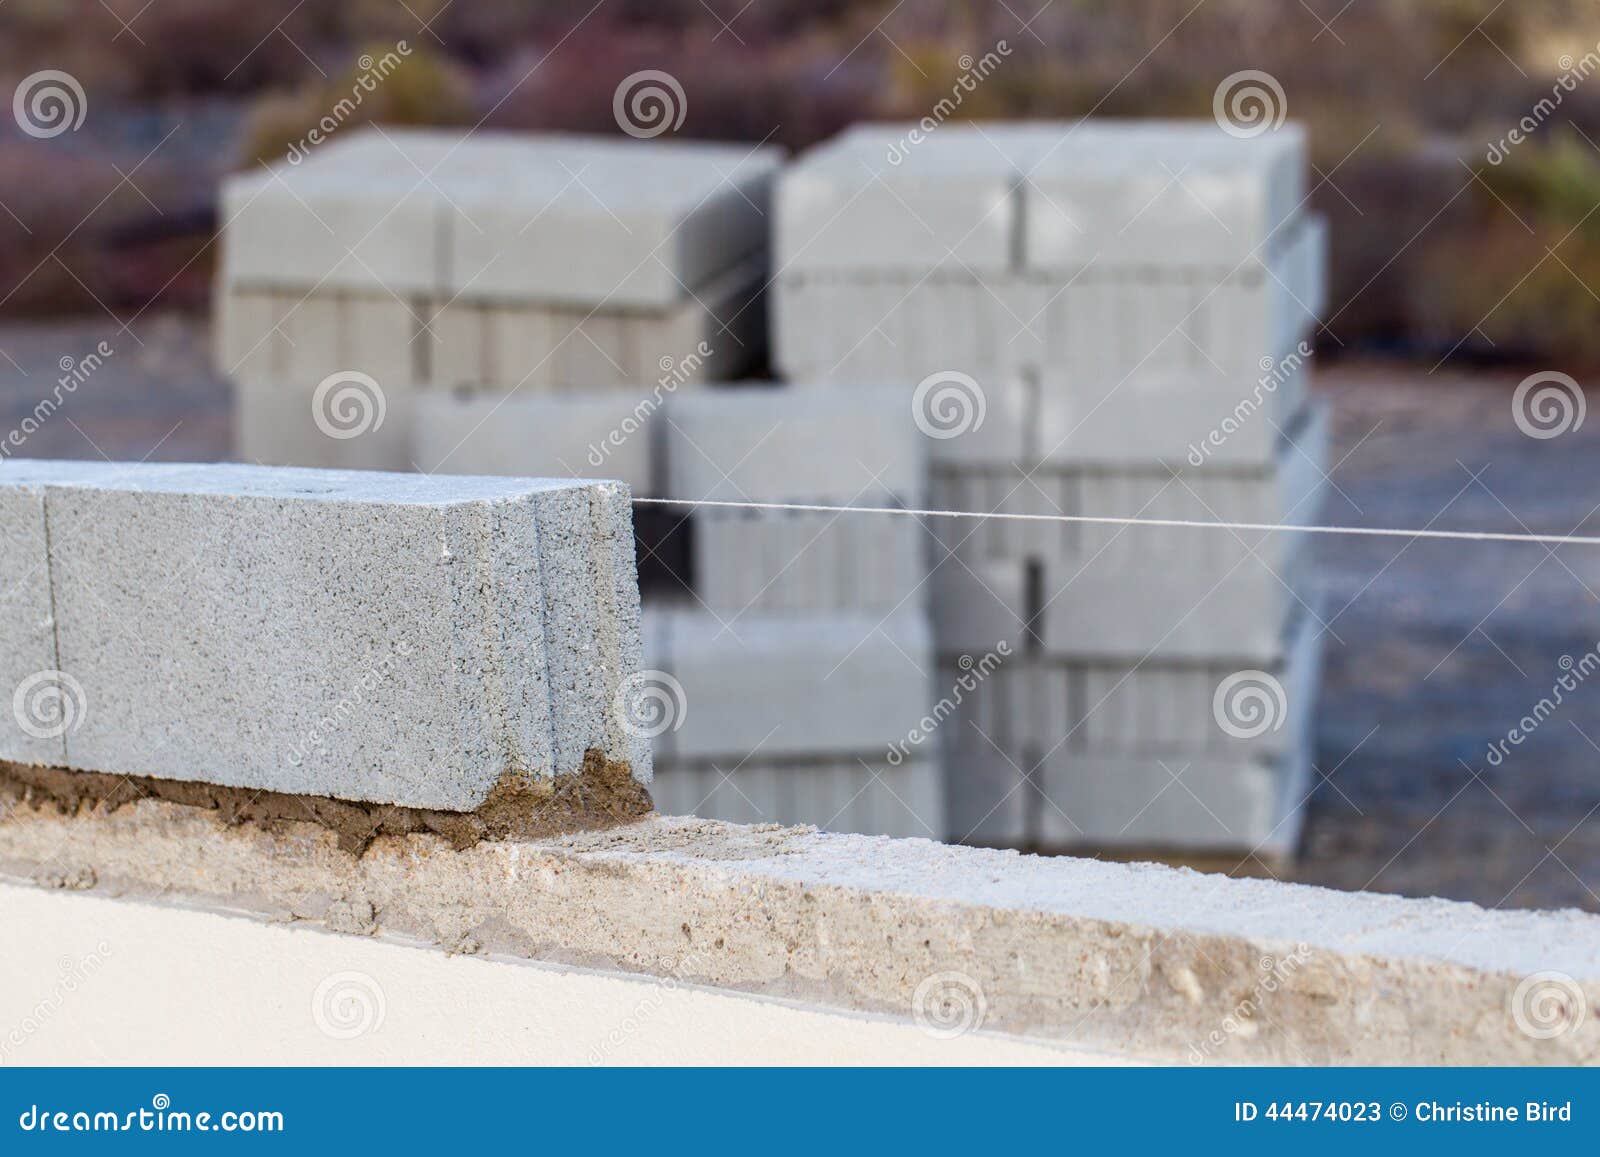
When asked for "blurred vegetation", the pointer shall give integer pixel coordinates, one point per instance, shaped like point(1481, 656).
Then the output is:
point(1436, 249)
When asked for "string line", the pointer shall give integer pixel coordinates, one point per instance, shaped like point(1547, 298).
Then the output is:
point(1181, 523)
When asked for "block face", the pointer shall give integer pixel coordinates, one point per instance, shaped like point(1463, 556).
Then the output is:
point(336, 223)
point(860, 202)
point(600, 222)
point(597, 434)
point(557, 218)
point(1159, 192)
point(37, 703)
point(366, 636)
point(1197, 419)
point(841, 446)
point(875, 799)
point(1107, 609)
point(802, 562)
point(347, 420)
point(796, 685)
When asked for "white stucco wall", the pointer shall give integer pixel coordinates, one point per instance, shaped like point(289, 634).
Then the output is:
point(86, 980)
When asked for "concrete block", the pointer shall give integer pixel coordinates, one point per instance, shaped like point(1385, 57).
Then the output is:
point(862, 202)
point(1010, 489)
point(1287, 492)
point(1133, 707)
point(314, 332)
point(391, 638)
point(382, 338)
point(361, 213)
point(1183, 795)
point(457, 337)
point(521, 347)
point(848, 795)
point(1100, 607)
point(1158, 193)
point(608, 223)
point(776, 686)
point(834, 445)
point(791, 561)
point(1193, 419)
point(249, 344)
point(608, 433)
point(347, 420)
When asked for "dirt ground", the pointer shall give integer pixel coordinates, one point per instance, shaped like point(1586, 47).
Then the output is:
point(1434, 650)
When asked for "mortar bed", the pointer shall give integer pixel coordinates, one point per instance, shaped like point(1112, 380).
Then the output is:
point(602, 795)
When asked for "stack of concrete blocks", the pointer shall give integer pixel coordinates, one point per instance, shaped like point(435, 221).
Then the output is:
point(559, 305)
point(806, 655)
point(550, 281)
point(1112, 314)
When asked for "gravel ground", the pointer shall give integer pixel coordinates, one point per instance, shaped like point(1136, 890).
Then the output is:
point(1434, 649)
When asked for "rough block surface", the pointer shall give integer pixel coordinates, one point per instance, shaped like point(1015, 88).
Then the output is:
point(390, 638)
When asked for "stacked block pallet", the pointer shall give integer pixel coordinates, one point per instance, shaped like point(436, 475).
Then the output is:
point(1115, 314)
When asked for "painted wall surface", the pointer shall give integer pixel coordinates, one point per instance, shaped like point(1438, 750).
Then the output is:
point(87, 980)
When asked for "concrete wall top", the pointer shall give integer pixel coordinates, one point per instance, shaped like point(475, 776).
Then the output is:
point(1132, 960)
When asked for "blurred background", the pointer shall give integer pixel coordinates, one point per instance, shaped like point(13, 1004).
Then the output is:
point(1455, 148)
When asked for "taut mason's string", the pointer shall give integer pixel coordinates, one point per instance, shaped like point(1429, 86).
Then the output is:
point(1184, 523)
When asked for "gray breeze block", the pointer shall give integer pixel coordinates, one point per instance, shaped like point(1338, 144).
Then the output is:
point(394, 638)
point(511, 217)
